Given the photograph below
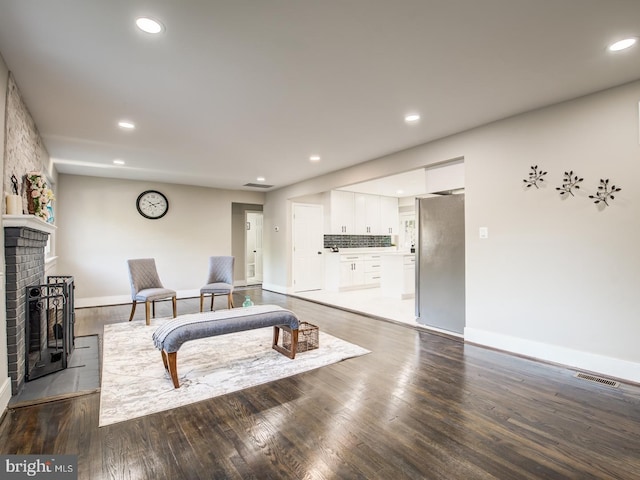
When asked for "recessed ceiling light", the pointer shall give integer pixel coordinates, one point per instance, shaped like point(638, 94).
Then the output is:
point(261, 179)
point(412, 118)
point(126, 125)
point(314, 158)
point(149, 25)
point(623, 44)
point(117, 161)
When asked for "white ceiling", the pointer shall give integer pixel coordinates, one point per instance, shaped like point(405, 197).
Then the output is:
point(237, 89)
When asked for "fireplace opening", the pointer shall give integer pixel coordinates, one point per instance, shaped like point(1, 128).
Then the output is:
point(50, 322)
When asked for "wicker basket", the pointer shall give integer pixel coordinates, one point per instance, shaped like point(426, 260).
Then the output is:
point(307, 338)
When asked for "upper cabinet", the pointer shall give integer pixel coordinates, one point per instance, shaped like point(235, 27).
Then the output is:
point(389, 216)
point(340, 214)
point(350, 213)
point(367, 214)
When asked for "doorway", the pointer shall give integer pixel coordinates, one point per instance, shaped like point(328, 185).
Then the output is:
point(308, 247)
point(253, 247)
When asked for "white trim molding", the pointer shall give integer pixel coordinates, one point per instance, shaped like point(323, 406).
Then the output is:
point(124, 299)
point(5, 395)
point(28, 221)
point(275, 288)
point(575, 359)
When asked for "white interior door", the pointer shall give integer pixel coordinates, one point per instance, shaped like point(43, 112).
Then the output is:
point(308, 247)
point(253, 243)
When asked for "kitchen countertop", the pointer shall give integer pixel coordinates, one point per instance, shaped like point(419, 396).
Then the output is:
point(361, 251)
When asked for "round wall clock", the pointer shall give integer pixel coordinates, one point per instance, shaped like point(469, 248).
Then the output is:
point(152, 204)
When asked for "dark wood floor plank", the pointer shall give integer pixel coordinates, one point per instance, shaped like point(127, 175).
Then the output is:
point(420, 405)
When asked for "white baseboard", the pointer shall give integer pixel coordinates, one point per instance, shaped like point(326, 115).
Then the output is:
point(122, 299)
point(5, 395)
point(274, 288)
point(590, 362)
point(101, 301)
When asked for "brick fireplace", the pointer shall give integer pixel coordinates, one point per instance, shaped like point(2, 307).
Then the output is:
point(25, 239)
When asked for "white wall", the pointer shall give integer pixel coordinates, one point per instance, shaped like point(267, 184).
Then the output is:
point(558, 277)
point(5, 381)
point(99, 228)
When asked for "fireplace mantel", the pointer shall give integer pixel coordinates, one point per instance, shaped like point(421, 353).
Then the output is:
point(27, 221)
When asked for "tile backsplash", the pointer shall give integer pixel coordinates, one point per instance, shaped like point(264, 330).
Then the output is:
point(357, 241)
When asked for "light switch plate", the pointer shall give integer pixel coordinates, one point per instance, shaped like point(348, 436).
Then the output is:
point(484, 232)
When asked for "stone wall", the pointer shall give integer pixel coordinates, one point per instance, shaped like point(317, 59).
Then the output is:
point(24, 148)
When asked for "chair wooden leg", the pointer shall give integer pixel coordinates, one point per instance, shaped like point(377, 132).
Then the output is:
point(174, 300)
point(212, 298)
point(133, 310)
point(153, 309)
point(229, 301)
point(201, 302)
point(147, 311)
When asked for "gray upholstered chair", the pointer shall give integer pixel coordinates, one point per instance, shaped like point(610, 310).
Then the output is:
point(146, 286)
point(220, 280)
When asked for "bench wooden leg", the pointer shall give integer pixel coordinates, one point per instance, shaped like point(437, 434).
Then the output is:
point(164, 360)
point(294, 341)
point(171, 364)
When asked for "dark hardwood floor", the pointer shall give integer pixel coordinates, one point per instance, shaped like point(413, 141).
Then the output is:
point(420, 406)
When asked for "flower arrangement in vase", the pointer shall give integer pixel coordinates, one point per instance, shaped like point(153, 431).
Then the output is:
point(39, 195)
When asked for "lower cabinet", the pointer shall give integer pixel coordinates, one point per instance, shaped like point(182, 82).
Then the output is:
point(372, 269)
point(351, 271)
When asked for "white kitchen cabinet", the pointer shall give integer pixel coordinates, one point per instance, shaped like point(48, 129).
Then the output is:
point(367, 214)
point(349, 213)
point(372, 269)
point(350, 271)
point(389, 216)
point(340, 213)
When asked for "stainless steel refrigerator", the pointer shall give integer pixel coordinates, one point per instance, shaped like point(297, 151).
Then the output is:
point(440, 261)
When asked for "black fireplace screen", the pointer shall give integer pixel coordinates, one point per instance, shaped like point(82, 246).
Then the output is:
point(49, 326)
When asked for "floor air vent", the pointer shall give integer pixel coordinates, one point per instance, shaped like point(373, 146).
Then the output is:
point(593, 378)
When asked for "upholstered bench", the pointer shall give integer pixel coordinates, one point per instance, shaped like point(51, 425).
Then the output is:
point(169, 337)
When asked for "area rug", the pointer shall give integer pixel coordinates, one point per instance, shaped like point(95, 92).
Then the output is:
point(135, 383)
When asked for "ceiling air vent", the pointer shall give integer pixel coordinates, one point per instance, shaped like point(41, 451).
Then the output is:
point(257, 185)
point(601, 380)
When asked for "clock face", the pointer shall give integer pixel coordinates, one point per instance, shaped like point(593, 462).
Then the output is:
point(152, 204)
